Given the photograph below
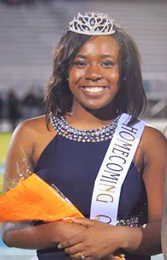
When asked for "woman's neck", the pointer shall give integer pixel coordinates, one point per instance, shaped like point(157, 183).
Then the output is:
point(86, 119)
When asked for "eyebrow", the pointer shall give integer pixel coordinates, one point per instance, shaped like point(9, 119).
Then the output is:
point(81, 56)
point(107, 56)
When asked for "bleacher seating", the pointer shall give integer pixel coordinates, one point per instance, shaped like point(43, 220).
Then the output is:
point(28, 33)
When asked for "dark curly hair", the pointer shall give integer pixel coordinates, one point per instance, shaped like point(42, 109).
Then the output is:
point(131, 97)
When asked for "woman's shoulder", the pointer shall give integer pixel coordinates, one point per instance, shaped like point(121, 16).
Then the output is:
point(154, 144)
point(153, 135)
point(33, 135)
point(33, 129)
point(32, 124)
point(36, 125)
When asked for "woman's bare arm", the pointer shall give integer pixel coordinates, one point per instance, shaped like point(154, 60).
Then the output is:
point(33, 136)
point(25, 235)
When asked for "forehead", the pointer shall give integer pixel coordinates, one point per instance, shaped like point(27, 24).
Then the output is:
point(100, 45)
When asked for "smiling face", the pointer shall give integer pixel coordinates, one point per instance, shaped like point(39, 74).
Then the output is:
point(94, 75)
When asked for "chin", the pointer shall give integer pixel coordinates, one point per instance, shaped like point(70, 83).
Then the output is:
point(94, 108)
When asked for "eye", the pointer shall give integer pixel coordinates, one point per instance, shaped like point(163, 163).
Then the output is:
point(80, 63)
point(107, 63)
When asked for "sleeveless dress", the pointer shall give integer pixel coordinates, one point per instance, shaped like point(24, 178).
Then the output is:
point(73, 166)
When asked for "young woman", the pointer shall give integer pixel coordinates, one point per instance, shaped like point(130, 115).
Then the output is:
point(96, 78)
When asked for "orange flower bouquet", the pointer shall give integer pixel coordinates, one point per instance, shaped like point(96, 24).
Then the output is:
point(34, 199)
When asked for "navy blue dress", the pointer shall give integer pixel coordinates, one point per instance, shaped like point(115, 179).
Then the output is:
point(73, 167)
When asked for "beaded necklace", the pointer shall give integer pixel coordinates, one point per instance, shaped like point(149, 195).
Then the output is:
point(62, 127)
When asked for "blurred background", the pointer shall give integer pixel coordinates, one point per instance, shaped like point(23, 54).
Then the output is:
point(28, 31)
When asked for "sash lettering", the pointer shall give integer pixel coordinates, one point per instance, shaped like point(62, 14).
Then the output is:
point(114, 168)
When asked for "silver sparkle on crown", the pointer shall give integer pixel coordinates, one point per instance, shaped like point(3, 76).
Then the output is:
point(92, 24)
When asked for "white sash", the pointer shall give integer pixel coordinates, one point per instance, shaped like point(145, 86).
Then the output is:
point(34, 258)
point(115, 165)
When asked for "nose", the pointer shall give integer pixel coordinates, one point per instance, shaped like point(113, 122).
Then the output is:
point(93, 73)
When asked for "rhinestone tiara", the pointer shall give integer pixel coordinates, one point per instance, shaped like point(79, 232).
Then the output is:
point(92, 24)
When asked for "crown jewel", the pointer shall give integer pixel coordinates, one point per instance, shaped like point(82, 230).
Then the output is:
point(92, 24)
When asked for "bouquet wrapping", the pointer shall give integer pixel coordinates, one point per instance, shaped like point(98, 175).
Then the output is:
point(34, 199)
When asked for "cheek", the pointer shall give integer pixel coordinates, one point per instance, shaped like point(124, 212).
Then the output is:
point(115, 75)
point(74, 77)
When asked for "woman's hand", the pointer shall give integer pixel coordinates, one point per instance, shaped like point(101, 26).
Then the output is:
point(98, 241)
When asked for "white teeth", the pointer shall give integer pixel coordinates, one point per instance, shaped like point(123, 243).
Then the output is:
point(93, 89)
